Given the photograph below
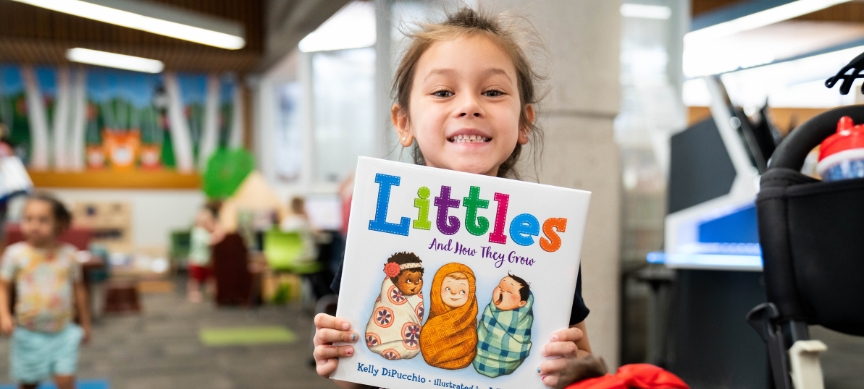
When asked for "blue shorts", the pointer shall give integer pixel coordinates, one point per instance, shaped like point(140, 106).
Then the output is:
point(38, 356)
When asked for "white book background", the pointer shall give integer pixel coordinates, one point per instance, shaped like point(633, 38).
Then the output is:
point(550, 274)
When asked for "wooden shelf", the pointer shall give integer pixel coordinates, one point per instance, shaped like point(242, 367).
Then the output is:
point(114, 179)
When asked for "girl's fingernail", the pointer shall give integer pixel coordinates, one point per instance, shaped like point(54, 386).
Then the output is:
point(345, 326)
point(538, 369)
point(554, 337)
point(349, 351)
point(353, 337)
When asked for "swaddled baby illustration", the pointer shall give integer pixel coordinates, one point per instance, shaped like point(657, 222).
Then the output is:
point(394, 327)
point(504, 332)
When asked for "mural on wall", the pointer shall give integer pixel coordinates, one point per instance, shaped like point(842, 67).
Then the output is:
point(103, 119)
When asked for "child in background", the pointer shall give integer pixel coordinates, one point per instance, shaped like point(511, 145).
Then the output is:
point(205, 234)
point(465, 94)
point(49, 287)
point(298, 221)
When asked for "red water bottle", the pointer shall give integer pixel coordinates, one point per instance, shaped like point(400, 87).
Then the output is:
point(841, 156)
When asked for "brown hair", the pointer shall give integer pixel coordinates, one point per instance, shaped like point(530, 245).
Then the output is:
point(213, 207)
point(467, 21)
point(403, 258)
point(61, 214)
point(298, 205)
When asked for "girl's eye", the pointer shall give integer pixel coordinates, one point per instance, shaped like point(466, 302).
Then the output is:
point(462, 292)
point(409, 281)
point(442, 93)
point(493, 93)
point(447, 288)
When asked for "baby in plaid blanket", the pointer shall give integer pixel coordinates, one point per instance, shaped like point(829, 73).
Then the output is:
point(504, 332)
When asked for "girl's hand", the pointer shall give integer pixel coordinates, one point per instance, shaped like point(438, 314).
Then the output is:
point(6, 325)
point(329, 329)
point(566, 367)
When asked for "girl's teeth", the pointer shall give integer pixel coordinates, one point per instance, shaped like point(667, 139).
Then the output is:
point(469, 139)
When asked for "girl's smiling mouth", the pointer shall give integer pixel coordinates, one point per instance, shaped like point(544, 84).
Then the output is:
point(469, 139)
point(468, 136)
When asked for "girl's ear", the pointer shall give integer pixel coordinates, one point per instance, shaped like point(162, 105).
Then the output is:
point(403, 127)
point(525, 133)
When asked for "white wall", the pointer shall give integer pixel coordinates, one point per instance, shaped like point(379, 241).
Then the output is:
point(155, 213)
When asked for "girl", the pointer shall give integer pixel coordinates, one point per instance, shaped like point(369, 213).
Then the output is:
point(465, 96)
point(205, 234)
point(49, 290)
point(298, 221)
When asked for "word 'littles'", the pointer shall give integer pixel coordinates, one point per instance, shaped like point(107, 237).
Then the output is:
point(523, 227)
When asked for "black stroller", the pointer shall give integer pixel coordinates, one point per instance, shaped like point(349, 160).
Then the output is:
point(812, 236)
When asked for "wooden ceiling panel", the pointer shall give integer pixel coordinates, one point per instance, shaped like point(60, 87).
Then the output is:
point(41, 52)
point(847, 12)
point(35, 35)
point(699, 7)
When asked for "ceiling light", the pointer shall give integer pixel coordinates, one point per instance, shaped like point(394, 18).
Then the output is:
point(112, 60)
point(764, 18)
point(153, 18)
point(351, 28)
point(645, 11)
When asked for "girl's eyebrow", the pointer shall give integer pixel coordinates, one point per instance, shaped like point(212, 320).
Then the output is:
point(495, 71)
point(452, 73)
point(442, 72)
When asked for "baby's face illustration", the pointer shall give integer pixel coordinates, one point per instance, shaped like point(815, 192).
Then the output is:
point(410, 282)
point(506, 297)
point(454, 292)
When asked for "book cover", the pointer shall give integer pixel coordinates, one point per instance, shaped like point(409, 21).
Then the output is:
point(456, 280)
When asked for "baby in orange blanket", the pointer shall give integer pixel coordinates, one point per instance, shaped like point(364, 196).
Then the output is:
point(449, 338)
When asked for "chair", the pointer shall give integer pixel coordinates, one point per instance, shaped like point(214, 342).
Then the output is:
point(812, 237)
point(282, 249)
point(230, 259)
point(181, 243)
point(122, 297)
point(80, 237)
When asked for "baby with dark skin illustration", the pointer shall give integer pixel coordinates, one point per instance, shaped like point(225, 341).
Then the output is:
point(504, 331)
point(393, 330)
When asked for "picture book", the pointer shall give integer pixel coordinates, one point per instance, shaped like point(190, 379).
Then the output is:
point(456, 280)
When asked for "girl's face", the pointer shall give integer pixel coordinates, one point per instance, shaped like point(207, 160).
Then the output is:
point(464, 106)
point(205, 220)
point(38, 224)
point(454, 292)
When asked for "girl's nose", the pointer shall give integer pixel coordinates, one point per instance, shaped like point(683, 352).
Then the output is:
point(470, 107)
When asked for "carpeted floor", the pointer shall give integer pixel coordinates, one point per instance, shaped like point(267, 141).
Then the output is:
point(82, 384)
point(176, 344)
point(246, 336)
point(162, 348)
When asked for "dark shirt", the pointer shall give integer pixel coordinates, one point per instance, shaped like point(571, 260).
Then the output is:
point(578, 312)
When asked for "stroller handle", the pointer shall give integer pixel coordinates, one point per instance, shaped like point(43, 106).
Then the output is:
point(793, 150)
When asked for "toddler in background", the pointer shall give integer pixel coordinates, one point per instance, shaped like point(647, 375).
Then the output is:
point(205, 233)
point(48, 284)
point(298, 221)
